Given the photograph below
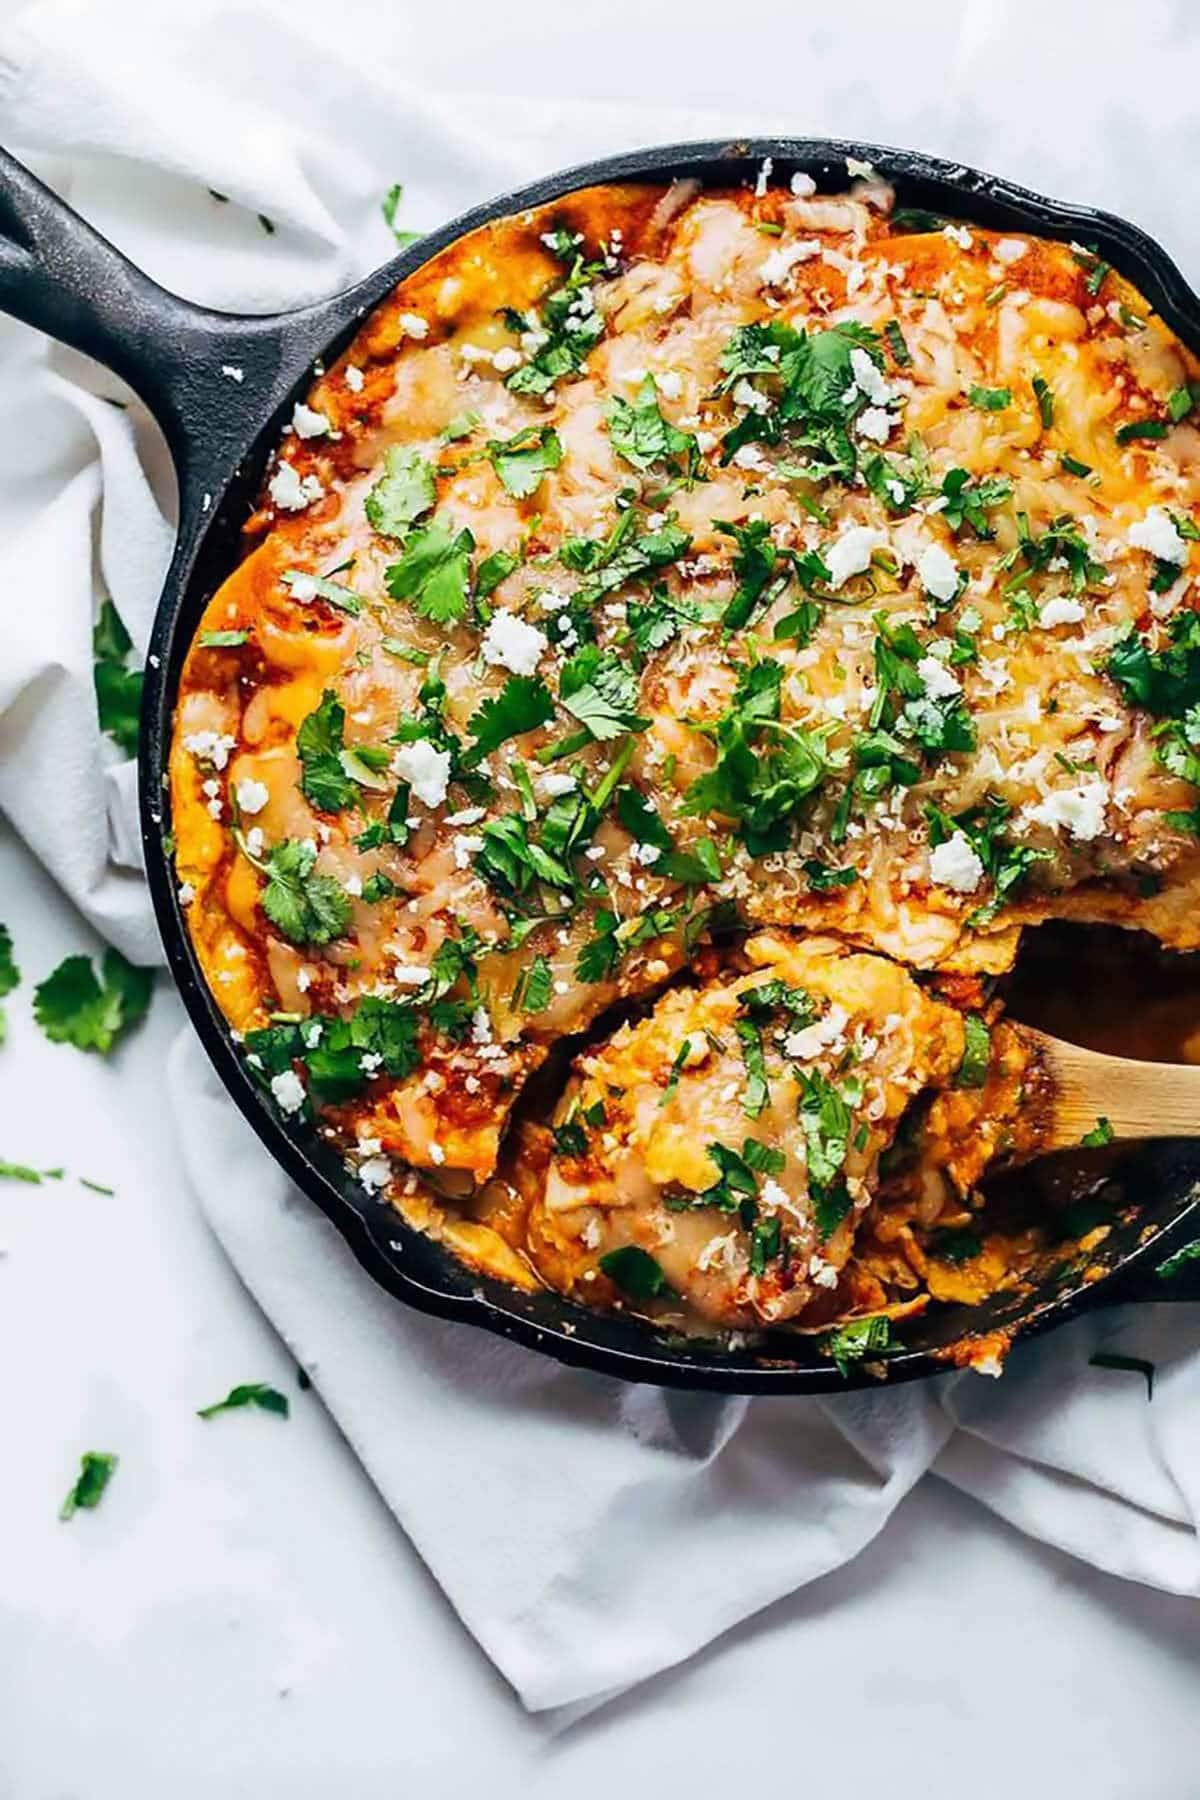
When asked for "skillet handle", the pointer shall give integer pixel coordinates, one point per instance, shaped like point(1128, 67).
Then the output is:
point(60, 276)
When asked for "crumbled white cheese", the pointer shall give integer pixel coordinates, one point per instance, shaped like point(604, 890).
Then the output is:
point(749, 456)
point(670, 384)
point(746, 394)
point(375, 1173)
point(1080, 809)
point(774, 269)
point(252, 796)
point(646, 854)
point(809, 1042)
point(1061, 611)
point(958, 234)
point(307, 422)
point(426, 770)
point(211, 747)
point(938, 573)
point(256, 843)
point(288, 1090)
point(867, 378)
point(353, 886)
point(1157, 534)
point(555, 784)
point(187, 893)
point(875, 424)
point(509, 643)
point(290, 492)
point(851, 553)
point(410, 974)
point(1010, 250)
point(506, 360)
point(353, 376)
point(413, 325)
point(956, 865)
point(465, 845)
point(802, 185)
point(940, 684)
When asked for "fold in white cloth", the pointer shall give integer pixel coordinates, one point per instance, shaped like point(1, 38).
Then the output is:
point(587, 1533)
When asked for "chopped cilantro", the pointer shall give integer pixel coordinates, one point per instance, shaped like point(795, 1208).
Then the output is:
point(95, 1472)
point(74, 1005)
point(537, 986)
point(641, 820)
point(320, 746)
point(11, 1171)
point(1045, 400)
point(307, 908)
point(695, 866)
point(493, 570)
point(758, 1092)
point(1171, 1265)
point(967, 501)
point(1136, 429)
point(826, 1120)
point(1100, 1134)
point(598, 689)
point(522, 460)
point(434, 572)
point(766, 1243)
point(857, 1339)
point(897, 344)
point(1179, 404)
point(640, 434)
point(765, 771)
point(404, 491)
point(822, 879)
point(988, 399)
point(1072, 466)
point(957, 1245)
point(570, 322)
point(222, 640)
point(523, 704)
point(118, 689)
point(753, 566)
point(343, 598)
point(977, 1053)
point(251, 1393)
point(638, 1274)
point(815, 396)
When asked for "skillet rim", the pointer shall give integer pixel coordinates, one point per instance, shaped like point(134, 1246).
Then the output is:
point(434, 1281)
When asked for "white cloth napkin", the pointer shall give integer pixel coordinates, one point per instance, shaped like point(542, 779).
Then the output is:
point(587, 1533)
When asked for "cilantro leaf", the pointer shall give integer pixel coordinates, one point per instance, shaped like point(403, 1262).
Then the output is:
point(320, 746)
point(222, 640)
point(538, 986)
point(977, 1053)
point(74, 1005)
point(758, 1092)
point(571, 325)
point(638, 1275)
point(118, 689)
point(493, 570)
point(990, 399)
point(598, 689)
point(10, 975)
point(753, 565)
point(306, 908)
point(640, 434)
point(95, 1472)
point(859, 1338)
point(1165, 682)
point(251, 1393)
point(389, 207)
point(967, 501)
point(404, 491)
point(434, 572)
point(523, 704)
point(521, 461)
point(1100, 1134)
point(826, 1120)
point(306, 586)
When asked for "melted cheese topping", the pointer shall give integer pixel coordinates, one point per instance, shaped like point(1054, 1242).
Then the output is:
point(657, 563)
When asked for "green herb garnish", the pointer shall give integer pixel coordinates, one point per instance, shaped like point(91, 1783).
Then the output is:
point(251, 1393)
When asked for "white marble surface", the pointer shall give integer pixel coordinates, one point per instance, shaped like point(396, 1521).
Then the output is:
point(242, 1616)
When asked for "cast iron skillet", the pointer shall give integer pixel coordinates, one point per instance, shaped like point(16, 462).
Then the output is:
point(60, 276)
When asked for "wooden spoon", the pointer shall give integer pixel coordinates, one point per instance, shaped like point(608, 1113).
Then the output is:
point(1138, 1099)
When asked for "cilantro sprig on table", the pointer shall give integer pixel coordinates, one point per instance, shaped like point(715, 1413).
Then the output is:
point(255, 1394)
point(96, 1470)
point(10, 975)
point(118, 687)
point(75, 1005)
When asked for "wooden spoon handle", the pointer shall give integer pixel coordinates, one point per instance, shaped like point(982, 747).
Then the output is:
point(1138, 1099)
